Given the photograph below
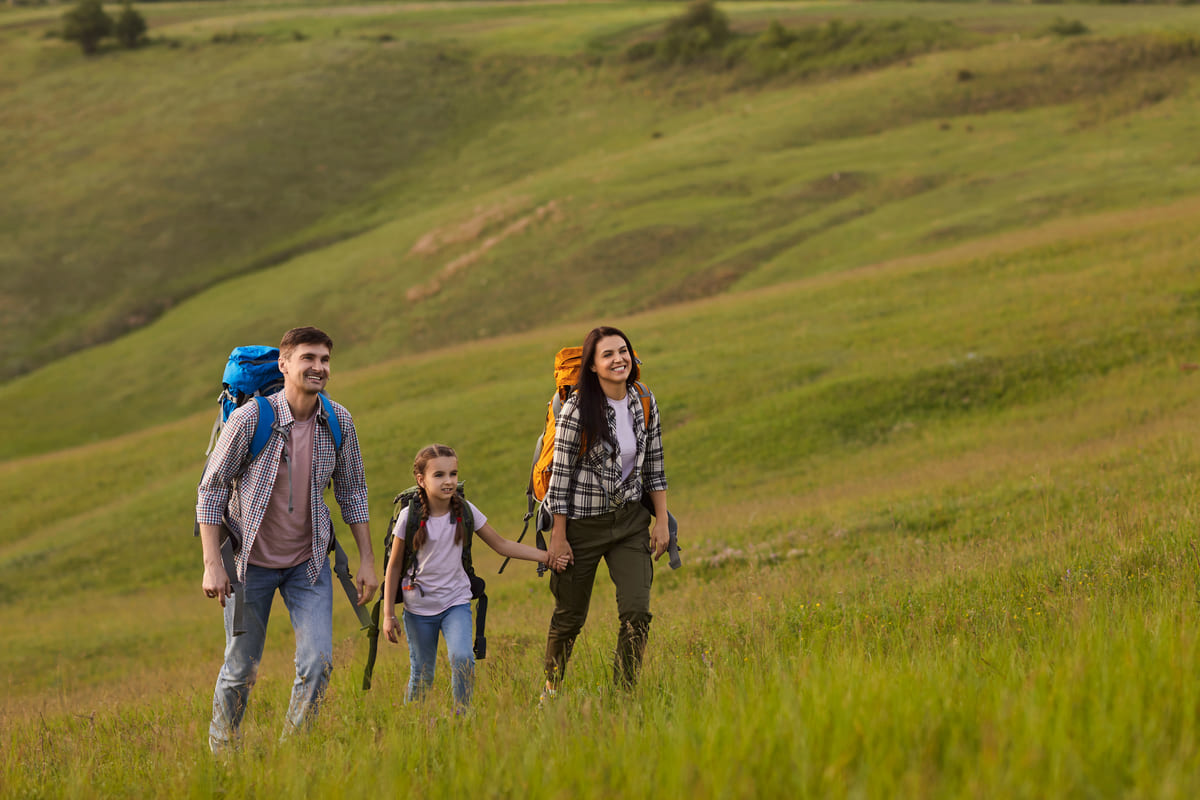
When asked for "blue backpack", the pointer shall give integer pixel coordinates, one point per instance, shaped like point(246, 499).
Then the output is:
point(252, 373)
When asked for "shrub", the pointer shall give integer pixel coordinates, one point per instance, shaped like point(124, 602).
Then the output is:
point(838, 46)
point(130, 27)
point(1067, 27)
point(703, 28)
point(87, 23)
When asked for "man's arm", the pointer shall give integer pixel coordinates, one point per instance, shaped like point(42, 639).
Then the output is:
point(366, 580)
point(213, 498)
point(350, 491)
point(216, 580)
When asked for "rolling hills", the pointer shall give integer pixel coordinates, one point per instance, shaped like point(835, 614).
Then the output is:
point(922, 327)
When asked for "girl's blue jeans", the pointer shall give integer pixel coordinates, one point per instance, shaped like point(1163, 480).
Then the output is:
point(311, 608)
point(422, 632)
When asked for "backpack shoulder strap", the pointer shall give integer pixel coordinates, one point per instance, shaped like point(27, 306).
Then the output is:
point(262, 432)
point(478, 585)
point(644, 395)
point(331, 420)
point(468, 535)
point(468, 520)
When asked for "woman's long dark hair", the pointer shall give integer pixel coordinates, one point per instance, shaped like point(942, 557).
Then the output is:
point(591, 396)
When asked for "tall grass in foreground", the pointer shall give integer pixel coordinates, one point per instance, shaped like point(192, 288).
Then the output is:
point(1051, 654)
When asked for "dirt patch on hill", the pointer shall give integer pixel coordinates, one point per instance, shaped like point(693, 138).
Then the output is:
point(471, 230)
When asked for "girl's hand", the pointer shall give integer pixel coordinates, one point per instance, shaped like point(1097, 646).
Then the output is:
point(391, 629)
point(557, 564)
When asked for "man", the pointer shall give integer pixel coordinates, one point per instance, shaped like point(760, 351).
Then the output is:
point(276, 513)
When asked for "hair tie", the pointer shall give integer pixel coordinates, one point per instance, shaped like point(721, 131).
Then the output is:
point(422, 525)
point(458, 519)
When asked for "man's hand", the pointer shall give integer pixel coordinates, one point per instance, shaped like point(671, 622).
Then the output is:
point(366, 581)
point(216, 582)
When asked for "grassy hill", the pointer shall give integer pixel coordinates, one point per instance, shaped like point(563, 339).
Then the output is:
point(919, 310)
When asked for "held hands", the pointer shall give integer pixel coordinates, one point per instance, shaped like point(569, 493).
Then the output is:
point(559, 555)
point(660, 537)
point(557, 564)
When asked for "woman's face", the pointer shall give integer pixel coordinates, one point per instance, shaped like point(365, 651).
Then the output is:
point(612, 361)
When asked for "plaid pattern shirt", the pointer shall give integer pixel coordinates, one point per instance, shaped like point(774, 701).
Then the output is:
point(241, 502)
point(591, 485)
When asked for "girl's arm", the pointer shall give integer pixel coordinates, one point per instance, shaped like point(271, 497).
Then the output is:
point(391, 582)
point(511, 549)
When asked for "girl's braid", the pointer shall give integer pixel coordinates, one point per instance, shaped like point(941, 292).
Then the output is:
point(456, 508)
point(423, 509)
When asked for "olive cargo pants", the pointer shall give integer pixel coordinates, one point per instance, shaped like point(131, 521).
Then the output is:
point(622, 539)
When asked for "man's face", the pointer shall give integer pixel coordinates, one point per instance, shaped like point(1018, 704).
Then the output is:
point(306, 367)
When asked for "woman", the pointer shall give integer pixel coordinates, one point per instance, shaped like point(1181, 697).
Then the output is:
point(607, 453)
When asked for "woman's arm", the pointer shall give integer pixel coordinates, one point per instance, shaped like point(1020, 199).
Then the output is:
point(568, 442)
point(660, 533)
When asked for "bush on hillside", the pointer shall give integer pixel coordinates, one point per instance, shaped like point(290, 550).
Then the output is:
point(87, 23)
point(703, 33)
point(1067, 27)
point(838, 46)
point(702, 29)
point(130, 27)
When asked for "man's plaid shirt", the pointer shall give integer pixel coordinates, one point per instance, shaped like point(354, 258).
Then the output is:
point(246, 498)
point(591, 486)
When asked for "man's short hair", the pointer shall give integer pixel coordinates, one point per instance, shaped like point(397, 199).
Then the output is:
point(307, 335)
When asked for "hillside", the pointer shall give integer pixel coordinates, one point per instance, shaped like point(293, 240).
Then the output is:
point(917, 295)
point(418, 170)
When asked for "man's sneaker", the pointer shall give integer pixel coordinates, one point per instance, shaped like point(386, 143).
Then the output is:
point(548, 695)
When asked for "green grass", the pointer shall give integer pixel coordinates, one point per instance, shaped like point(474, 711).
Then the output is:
point(923, 343)
point(161, 188)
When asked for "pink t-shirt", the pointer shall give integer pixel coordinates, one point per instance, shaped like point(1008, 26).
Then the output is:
point(286, 539)
point(440, 576)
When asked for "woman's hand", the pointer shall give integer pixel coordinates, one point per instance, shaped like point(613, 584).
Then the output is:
point(660, 537)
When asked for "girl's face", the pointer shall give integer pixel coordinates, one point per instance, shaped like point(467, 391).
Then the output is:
point(612, 361)
point(440, 479)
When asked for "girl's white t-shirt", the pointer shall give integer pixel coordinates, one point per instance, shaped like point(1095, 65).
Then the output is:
point(626, 439)
point(440, 576)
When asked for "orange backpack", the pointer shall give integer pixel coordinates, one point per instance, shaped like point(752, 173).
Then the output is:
point(566, 375)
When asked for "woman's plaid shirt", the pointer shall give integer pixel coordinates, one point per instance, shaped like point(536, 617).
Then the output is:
point(246, 497)
point(591, 486)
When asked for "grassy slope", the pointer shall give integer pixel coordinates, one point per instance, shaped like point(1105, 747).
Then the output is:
point(928, 391)
point(558, 160)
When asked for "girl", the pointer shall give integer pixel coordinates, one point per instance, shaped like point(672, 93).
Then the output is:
point(437, 592)
point(606, 455)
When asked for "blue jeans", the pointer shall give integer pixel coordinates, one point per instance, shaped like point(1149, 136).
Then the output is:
point(455, 624)
point(311, 608)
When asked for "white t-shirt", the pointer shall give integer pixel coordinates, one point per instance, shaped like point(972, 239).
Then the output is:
point(626, 438)
point(440, 576)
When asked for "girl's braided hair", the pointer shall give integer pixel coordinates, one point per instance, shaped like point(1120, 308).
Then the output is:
point(427, 454)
